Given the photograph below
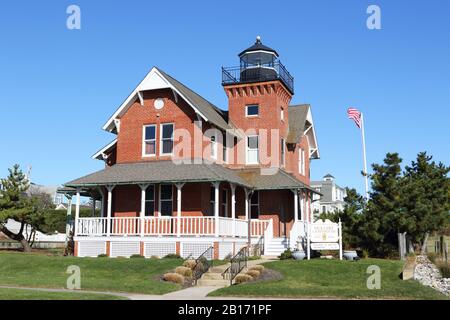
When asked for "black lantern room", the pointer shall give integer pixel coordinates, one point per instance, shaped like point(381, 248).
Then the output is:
point(258, 63)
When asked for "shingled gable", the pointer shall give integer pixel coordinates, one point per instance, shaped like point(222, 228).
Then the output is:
point(158, 79)
point(300, 123)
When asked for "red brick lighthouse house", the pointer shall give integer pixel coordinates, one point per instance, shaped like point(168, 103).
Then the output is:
point(184, 176)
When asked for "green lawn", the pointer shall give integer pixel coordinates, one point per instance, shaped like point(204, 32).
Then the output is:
point(97, 274)
point(333, 278)
point(21, 294)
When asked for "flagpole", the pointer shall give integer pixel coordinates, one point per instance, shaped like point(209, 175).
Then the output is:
point(364, 157)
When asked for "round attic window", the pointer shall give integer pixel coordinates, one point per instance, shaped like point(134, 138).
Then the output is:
point(159, 103)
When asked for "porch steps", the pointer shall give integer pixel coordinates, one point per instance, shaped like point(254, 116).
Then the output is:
point(213, 278)
point(276, 246)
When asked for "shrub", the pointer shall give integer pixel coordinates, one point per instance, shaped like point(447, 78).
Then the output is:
point(184, 271)
point(102, 256)
point(444, 268)
point(254, 258)
point(172, 256)
point(432, 256)
point(253, 273)
point(258, 267)
point(189, 264)
point(241, 278)
point(173, 277)
point(287, 254)
point(138, 256)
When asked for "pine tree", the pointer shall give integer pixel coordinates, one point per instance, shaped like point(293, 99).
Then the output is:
point(18, 203)
point(425, 198)
point(381, 221)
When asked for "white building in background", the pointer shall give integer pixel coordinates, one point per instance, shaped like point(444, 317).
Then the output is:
point(332, 198)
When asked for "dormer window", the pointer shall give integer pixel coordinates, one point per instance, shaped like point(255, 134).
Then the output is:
point(252, 110)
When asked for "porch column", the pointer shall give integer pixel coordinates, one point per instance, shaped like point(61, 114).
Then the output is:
point(248, 195)
point(302, 205)
point(77, 210)
point(93, 206)
point(295, 191)
point(102, 206)
point(233, 208)
point(179, 187)
point(142, 213)
point(216, 208)
point(69, 214)
point(110, 189)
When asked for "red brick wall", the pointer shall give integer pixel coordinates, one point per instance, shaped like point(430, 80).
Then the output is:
point(130, 137)
point(271, 97)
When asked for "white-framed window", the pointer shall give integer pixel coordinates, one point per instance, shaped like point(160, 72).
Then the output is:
point(252, 153)
point(225, 202)
point(166, 200)
point(149, 141)
point(282, 114)
point(301, 161)
point(150, 201)
point(283, 152)
point(166, 144)
point(252, 110)
point(254, 205)
point(224, 149)
point(213, 147)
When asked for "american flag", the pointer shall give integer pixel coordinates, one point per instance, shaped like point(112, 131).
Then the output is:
point(355, 115)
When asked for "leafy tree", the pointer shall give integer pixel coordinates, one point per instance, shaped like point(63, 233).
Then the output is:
point(18, 203)
point(383, 218)
point(425, 195)
point(350, 217)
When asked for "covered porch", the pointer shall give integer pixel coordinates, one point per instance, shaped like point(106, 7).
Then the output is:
point(164, 199)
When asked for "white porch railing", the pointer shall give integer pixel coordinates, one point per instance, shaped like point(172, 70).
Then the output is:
point(168, 226)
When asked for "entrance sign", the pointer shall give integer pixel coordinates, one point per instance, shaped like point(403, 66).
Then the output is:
point(324, 231)
point(324, 235)
point(325, 246)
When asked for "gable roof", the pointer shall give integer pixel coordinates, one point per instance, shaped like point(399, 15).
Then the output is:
point(99, 154)
point(158, 79)
point(300, 124)
point(297, 121)
point(214, 114)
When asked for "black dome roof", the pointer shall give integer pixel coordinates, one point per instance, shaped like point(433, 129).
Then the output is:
point(258, 46)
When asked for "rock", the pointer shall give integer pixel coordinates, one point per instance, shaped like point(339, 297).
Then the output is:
point(428, 275)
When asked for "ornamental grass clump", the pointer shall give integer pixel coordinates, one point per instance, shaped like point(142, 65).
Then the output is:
point(258, 267)
point(241, 278)
point(190, 264)
point(253, 273)
point(184, 271)
point(173, 277)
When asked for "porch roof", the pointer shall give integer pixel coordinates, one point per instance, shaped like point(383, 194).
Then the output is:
point(273, 181)
point(170, 172)
point(158, 172)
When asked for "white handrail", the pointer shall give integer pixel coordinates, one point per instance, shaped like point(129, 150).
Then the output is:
point(167, 226)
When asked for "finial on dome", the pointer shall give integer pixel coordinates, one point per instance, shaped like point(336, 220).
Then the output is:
point(258, 39)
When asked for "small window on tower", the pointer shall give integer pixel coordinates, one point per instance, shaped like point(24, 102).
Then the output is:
point(252, 111)
point(282, 114)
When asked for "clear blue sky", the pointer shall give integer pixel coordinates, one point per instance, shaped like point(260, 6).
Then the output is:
point(58, 87)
